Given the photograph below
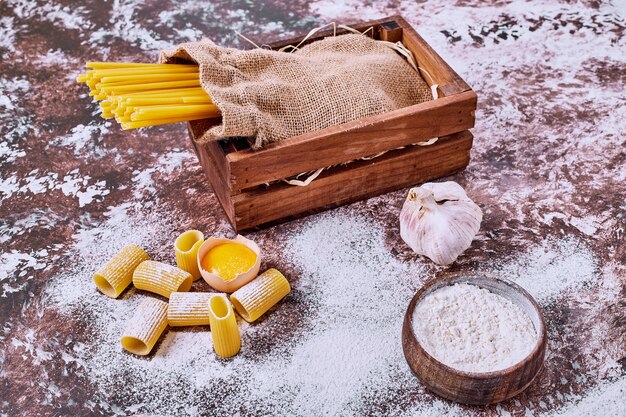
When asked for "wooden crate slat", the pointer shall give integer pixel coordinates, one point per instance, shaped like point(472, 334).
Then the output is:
point(360, 26)
point(356, 181)
point(449, 81)
point(352, 140)
point(211, 158)
point(236, 172)
point(389, 31)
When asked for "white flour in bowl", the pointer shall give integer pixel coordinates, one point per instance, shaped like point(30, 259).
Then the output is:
point(472, 329)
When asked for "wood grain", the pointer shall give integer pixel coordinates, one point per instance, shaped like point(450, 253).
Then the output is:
point(474, 387)
point(390, 32)
point(357, 139)
point(353, 182)
point(366, 136)
point(212, 159)
point(450, 83)
point(238, 173)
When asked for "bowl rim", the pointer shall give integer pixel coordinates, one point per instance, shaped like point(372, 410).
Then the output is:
point(541, 332)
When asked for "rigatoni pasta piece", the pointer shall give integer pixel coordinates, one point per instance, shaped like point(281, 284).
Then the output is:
point(114, 276)
point(253, 299)
point(224, 330)
point(160, 278)
point(189, 308)
point(186, 249)
point(145, 327)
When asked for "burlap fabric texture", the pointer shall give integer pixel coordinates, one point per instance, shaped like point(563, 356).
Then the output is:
point(271, 95)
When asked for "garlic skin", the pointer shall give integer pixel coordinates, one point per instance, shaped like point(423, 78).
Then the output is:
point(439, 220)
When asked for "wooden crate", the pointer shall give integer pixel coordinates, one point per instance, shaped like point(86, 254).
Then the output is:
point(248, 182)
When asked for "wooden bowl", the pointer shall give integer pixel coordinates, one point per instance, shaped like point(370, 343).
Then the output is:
point(478, 388)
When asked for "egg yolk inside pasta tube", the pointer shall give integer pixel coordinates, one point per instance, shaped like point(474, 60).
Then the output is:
point(228, 260)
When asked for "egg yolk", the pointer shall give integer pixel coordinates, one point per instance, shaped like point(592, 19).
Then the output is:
point(228, 260)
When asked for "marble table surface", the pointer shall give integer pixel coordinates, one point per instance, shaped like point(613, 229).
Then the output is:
point(548, 169)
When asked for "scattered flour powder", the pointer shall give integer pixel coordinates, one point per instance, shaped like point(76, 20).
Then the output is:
point(472, 329)
point(327, 364)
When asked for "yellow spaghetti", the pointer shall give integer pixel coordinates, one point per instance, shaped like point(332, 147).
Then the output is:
point(140, 95)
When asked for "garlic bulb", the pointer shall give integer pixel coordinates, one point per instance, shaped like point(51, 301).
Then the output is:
point(439, 220)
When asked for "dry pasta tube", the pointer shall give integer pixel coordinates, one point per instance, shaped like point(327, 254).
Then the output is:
point(189, 308)
point(160, 278)
point(186, 249)
point(252, 300)
point(114, 276)
point(226, 338)
point(145, 327)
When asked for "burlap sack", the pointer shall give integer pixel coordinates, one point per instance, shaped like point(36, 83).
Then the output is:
point(274, 95)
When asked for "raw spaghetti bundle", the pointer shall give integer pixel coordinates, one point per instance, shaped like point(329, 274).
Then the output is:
point(139, 95)
point(263, 94)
